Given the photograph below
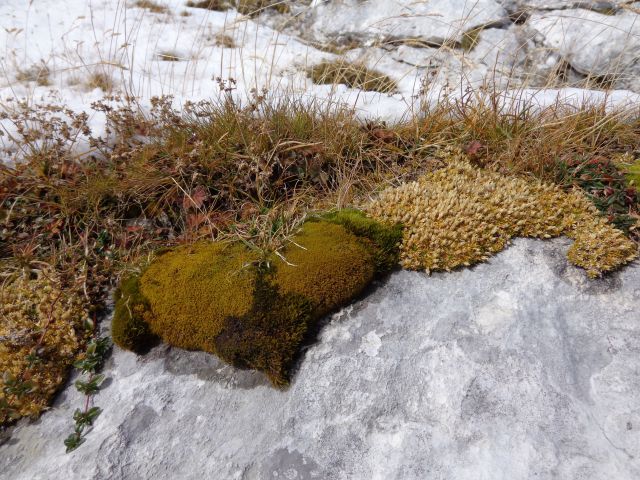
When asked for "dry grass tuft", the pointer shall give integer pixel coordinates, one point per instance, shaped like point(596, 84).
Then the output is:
point(151, 6)
point(101, 80)
point(169, 57)
point(353, 75)
point(215, 5)
point(36, 73)
point(246, 7)
point(225, 41)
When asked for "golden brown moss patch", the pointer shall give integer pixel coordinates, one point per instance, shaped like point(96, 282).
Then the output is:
point(252, 311)
point(269, 335)
point(461, 215)
point(384, 238)
point(41, 334)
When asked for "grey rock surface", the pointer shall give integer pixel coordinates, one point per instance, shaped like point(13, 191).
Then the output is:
point(531, 43)
point(523, 6)
point(520, 368)
point(594, 44)
point(434, 22)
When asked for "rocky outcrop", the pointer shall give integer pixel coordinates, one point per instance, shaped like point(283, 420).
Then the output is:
point(605, 47)
point(433, 23)
point(522, 7)
point(519, 368)
point(509, 43)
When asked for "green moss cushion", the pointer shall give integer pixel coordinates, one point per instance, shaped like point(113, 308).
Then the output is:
point(192, 289)
point(327, 264)
point(254, 313)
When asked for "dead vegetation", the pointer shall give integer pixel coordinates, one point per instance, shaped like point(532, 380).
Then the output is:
point(151, 6)
point(246, 7)
point(225, 41)
point(99, 79)
point(169, 56)
point(38, 73)
point(354, 75)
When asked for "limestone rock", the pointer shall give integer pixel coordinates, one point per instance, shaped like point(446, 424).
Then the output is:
point(433, 22)
point(603, 46)
point(519, 368)
point(523, 7)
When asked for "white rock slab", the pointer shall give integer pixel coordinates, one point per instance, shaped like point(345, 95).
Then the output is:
point(593, 43)
point(434, 21)
point(519, 6)
point(520, 368)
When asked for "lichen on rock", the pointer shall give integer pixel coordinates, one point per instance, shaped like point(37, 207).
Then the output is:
point(460, 215)
point(252, 310)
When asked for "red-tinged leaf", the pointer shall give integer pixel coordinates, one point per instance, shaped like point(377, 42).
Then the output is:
point(54, 226)
point(196, 199)
point(473, 147)
point(134, 228)
point(383, 134)
point(195, 219)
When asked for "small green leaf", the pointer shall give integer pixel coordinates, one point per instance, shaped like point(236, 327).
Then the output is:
point(73, 441)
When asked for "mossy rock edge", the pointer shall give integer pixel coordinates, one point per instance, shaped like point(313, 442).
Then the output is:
point(130, 326)
point(251, 311)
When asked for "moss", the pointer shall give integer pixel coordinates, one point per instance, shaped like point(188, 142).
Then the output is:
point(461, 215)
point(384, 238)
point(131, 318)
point(354, 75)
point(192, 289)
point(326, 264)
point(267, 337)
point(470, 38)
point(42, 332)
point(254, 312)
point(633, 174)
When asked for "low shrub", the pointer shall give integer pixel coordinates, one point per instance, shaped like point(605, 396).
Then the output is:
point(606, 186)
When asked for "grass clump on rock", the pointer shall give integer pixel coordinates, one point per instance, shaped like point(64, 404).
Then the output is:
point(252, 310)
point(460, 215)
point(354, 75)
